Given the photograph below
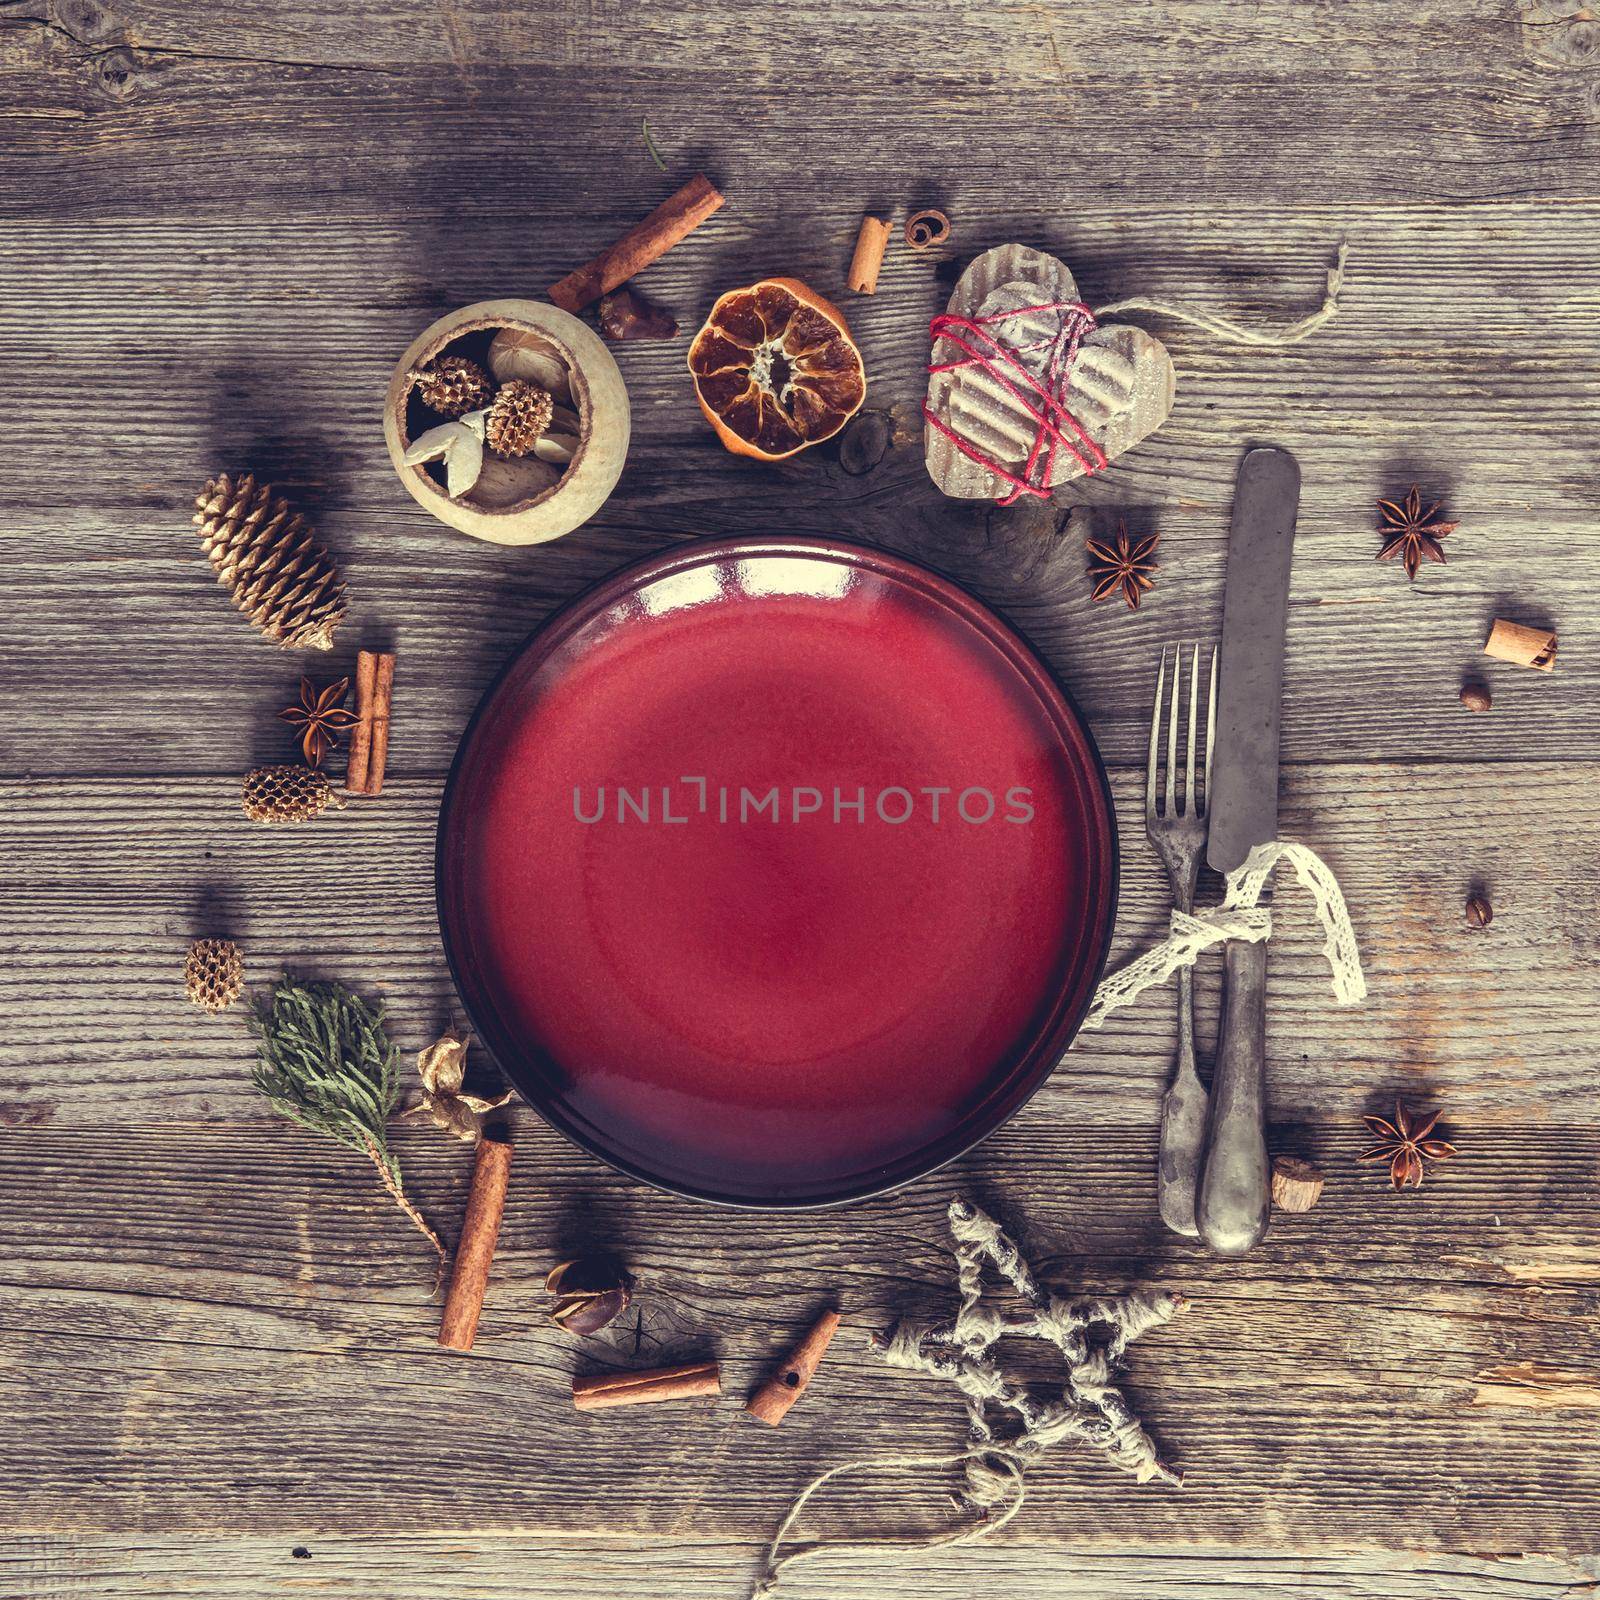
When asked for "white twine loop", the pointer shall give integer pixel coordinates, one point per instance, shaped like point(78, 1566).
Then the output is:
point(1241, 917)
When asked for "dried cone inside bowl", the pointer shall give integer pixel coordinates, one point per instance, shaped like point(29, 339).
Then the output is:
point(517, 420)
point(775, 369)
point(453, 386)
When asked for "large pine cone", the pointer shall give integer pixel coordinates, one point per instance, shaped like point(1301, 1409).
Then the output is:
point(518, 418)
point(287, 793)
point(453, 386)
point(213, 975)
point(263, 550)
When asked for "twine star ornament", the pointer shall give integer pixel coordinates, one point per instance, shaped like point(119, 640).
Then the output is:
point(1008, 1424)
point(1091, 1333)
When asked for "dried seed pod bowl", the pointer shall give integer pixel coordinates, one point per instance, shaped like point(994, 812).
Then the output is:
point(566, 474)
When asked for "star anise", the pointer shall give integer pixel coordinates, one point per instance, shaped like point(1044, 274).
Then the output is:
point(1404, 1145)
point(1412, 533)
point(1125, 565)
point(320, 717)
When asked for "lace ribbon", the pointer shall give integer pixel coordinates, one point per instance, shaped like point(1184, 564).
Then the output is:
point(1240, 916)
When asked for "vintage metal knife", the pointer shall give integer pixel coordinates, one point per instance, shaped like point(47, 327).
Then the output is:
point(1243, 806)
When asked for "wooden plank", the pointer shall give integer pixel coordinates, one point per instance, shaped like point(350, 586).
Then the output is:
point(110, 587)
point(512, 1566)
point(109, 879)
point(1040, 45)
point(222, 114)
point(230, 1331)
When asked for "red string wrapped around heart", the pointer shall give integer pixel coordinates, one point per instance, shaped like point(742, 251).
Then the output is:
point(1029, 389)
point(1026, 389)
point(1042, 394)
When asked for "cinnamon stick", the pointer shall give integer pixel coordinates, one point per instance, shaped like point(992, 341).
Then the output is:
point(607, 1389)
point(1524, 647)
point(357, 767)
point(865, 264)
point(670, 223)
point(771, 1402)
point(369, 739)
point(382, 694)
point(470, 1277)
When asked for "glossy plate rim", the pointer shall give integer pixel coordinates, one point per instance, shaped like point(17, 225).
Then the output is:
point(1049, 1047)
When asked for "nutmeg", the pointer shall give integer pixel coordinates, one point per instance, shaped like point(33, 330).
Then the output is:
point(591, 1293)
point(1296, 1184)
point(1479, 912)
point(1475, 697)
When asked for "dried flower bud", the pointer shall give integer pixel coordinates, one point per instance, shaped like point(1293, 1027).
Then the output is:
point(591, 1293)
point(1475, 697)
point(1479, 912)
point(626, 314)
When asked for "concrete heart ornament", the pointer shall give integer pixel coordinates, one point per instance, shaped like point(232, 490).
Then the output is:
point(1029, 389)
point(1026, 390)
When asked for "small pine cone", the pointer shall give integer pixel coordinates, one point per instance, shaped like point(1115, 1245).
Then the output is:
point(453, 386)
point(214, 974)
point(519, 416)
point(288, 793)
point(263, 551)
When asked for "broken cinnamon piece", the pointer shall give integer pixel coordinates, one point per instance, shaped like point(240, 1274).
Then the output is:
point(865, 264)
point(771, 1402)
point(607, 1389)
point(670, 223)
point(1523, 647)
point(927, 229)
point(475, 1253)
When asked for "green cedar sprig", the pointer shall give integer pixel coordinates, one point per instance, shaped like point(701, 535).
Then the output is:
point(325, 1060)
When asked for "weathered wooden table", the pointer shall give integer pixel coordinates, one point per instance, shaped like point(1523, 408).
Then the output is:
point(222, 223)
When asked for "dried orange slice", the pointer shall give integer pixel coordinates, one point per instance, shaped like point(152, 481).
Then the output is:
point(775, 369)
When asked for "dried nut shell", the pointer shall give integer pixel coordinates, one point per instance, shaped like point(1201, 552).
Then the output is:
point(506, 482)
point(459, 445)
point(557, 447)
point(626, 314)
point(522, 353)
point(591, 1293)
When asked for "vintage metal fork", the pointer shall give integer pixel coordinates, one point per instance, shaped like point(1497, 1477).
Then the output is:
point(1178, 831)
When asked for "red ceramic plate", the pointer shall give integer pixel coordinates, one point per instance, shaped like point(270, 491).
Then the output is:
point(776, 871)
